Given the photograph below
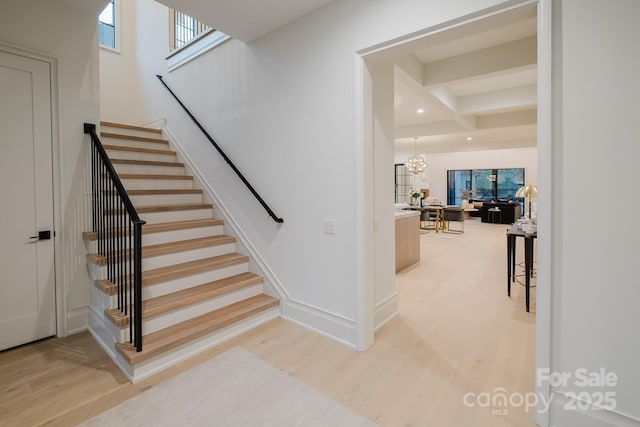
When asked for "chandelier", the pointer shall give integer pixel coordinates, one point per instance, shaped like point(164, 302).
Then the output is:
point(415, 164)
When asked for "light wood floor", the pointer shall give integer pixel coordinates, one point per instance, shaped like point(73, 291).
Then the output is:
point(457, 332)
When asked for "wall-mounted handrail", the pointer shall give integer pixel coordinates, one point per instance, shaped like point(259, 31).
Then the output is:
point(223, 154)
point(119, 232)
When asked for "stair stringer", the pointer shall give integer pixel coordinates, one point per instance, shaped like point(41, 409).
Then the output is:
point(319, 320)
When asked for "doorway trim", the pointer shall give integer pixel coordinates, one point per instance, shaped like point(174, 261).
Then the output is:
point(364, 169)
point(60, 288)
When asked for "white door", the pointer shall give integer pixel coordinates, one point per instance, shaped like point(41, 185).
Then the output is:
point(27, 277)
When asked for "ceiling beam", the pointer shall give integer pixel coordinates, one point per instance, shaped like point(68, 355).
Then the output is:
point(484, 62)
point(409, 70)
point(499, 100)
point(427, 129)
point(503, 120)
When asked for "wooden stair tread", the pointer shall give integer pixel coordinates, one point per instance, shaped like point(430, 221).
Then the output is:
point(165, 303)
point(153, 176)
point(180, 299)
point(186, 245)
point(172, 208)
point(164, 226)
point(180, 225)
point(131, 127)
point(138, 150)
point(176, 271)
point(169, 248)
point(184, 332)
point(165, 208)
point(171, 272)
point(146, 163)
point(164, 191)
point(134, 138)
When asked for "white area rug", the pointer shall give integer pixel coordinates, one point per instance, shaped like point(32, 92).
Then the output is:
point(233, 389)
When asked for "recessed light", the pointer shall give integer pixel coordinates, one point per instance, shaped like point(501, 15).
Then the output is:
point(420, 110)
point(469, 138)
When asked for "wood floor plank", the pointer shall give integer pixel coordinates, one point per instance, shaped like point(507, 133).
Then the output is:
point(456, 332)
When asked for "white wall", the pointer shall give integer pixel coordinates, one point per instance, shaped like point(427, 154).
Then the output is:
point(283, 108)
point(118, 68)
point(69, 35)
point(594, 289)
point(440, 163)
point(385, 295)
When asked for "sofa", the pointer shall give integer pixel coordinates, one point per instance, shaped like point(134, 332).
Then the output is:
point(509, 211)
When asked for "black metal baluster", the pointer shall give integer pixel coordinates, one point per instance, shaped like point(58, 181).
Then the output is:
point(138, 284)
point(119, 231)
point(93, 187)
point(130, 275)
point(120, 276)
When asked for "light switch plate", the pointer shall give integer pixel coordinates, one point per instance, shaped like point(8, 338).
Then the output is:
point(329, 226)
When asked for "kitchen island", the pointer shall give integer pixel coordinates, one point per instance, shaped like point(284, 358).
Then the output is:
point(407, 239)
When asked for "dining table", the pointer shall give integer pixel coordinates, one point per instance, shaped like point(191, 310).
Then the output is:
point(439, 220)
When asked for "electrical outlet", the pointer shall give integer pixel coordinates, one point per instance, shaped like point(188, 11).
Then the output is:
point(329, 226)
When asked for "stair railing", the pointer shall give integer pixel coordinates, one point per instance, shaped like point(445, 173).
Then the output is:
point(223, 154)
point(119, 231)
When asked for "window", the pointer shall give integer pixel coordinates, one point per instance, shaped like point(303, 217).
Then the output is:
point(485, 184)
point(183, 29)
point(107, 26)
point(403, 183)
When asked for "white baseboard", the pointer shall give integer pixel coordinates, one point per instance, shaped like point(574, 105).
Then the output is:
point(320, 321)
point(77, 320)
point(562, 414)
point(385, 310)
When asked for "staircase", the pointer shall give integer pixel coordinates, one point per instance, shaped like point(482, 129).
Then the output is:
point(197, 290)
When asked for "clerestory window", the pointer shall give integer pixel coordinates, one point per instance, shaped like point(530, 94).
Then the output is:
point(107, 26)
point(183, 29)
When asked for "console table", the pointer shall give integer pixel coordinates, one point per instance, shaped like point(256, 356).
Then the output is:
point(512, 233)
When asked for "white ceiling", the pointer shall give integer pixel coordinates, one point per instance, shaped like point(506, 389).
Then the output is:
point(246, 20)
point(475, 81)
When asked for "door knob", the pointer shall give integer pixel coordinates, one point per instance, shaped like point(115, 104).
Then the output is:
point(42, 235)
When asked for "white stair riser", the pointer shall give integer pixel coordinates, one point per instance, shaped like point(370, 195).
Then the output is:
point(186, 215)
point(164, 199)
point(96, 272)
point(165, 360)
point(181, 283)
point(131, 132)
point(120, 142)
point(123, 168)
point(157, 184)
point(178, 257)
point(176, 235)
point(101, 301)
point(167, 236)
point(171, 318)
point(134, 155)
point(186, 256)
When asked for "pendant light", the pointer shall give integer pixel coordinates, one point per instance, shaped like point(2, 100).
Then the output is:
point(415, 164)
